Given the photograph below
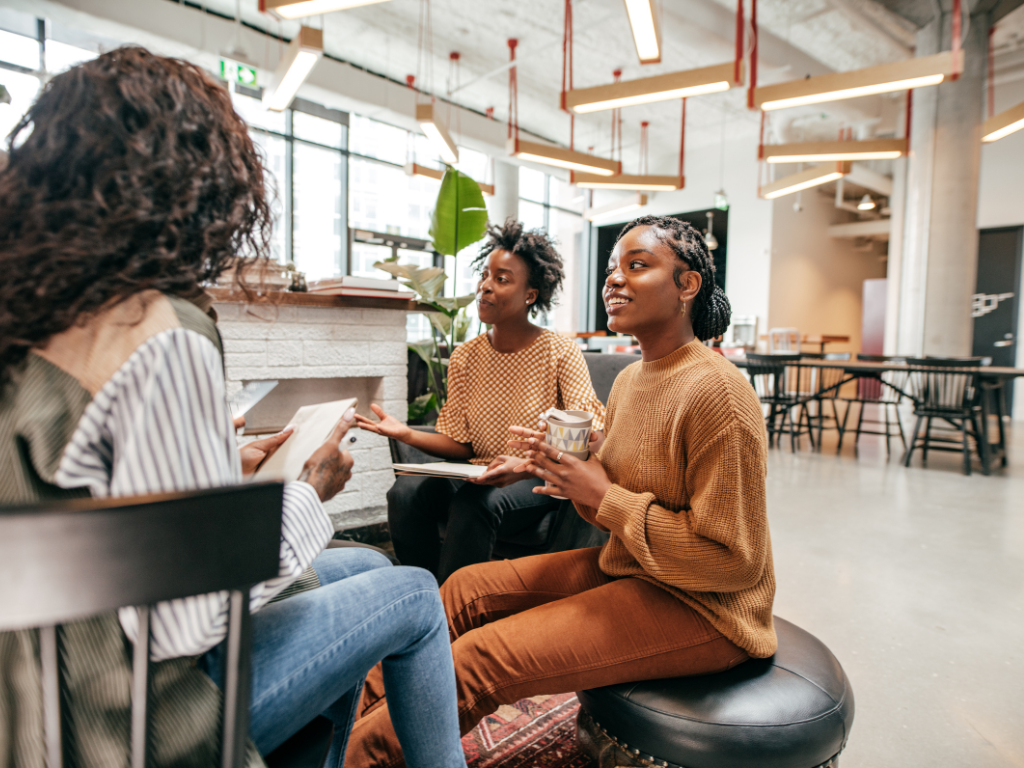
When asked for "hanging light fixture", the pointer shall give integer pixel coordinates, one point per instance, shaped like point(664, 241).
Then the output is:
point(643, 182)
point(885, 78)
point(823, 151)
point(301, 55)
point(547, 154)
point(296, 9)
point(866, 203)
point(812, 177)
point(646, 35)
point(709, 237)
point(1003, 124)
point(439, 137)
point(646, 90)
point(620, 206)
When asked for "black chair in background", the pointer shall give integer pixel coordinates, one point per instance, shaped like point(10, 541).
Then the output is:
point(70, 560)
point(947, 390)
point(824, 383)
point(780, 385)
point(886, 392)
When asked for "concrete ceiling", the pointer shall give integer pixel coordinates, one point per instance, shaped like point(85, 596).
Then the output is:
point(798, 38)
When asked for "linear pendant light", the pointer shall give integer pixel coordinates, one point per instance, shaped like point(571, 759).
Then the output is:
point(643, 22)
point(823, 151)
point(296, 9)
point(415, 169)
point(437, 133)
point(301, 55)
point(676, 85)
point(628, 203)
point(885, 78)
point(1003, 124)
point(641, 182)
point(812, 177)
point(562, 158)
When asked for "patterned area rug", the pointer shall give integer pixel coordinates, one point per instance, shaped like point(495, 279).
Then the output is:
point(539, 732)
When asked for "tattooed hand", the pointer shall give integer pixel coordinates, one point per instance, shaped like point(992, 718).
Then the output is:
point(330, 467)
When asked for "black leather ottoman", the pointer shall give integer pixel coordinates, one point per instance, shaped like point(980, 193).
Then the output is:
point(793, 710)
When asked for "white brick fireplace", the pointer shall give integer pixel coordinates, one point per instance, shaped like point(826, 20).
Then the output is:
point(322, 349)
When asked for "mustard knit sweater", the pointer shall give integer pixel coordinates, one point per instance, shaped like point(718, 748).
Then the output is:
point(686, 451)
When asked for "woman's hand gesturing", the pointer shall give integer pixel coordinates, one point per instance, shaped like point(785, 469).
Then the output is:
point(388, 426)
point(582, 481)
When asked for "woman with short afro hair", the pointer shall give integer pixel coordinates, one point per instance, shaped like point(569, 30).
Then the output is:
point(509, 375)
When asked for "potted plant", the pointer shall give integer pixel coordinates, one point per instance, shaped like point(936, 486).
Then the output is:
point(459, 219)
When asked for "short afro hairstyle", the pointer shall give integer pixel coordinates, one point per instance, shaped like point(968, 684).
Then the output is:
point(536, 249)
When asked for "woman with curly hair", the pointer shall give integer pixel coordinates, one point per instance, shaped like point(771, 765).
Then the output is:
point(509, 375)
point(684, 585)
point(131, 183)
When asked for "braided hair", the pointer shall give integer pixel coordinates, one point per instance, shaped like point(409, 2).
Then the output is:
point(711, 309)
point(536, 249)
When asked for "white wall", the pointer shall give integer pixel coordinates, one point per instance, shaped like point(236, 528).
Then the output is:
point(750, 218)
point(1001, 202)
point(817, 281)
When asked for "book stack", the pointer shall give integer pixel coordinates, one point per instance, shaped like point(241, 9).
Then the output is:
point(361, 286)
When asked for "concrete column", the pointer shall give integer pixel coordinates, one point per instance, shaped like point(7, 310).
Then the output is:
point(940, 235)
point(505, 203)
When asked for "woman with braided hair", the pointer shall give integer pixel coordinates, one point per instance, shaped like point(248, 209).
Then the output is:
point(684, 585)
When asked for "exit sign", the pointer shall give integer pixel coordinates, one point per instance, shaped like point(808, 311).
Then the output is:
point(234, 72)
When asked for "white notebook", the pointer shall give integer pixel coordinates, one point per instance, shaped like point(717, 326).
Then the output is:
point(442, 469)
point(313, 424)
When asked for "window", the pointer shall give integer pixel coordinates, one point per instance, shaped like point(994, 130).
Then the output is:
point(21, 69)
point(555, 206)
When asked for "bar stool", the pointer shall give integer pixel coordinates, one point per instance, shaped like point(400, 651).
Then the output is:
point(793, 710)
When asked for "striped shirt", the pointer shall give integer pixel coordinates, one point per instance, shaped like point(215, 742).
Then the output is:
point(161, 424)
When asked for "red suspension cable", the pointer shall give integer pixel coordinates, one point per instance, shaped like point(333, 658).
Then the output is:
point(991, 74)
point(643, 147)
point(753, 55)
point(513, 91)
point(957, 24)
point(910, 112)
point(738, 69)
point(616, 125)
point(682, 141)
point(567, 70)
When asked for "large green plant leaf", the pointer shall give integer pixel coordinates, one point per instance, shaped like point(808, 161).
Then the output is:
point(428, 282)
point(457, 303)
point(5, 97)
point(460, 216)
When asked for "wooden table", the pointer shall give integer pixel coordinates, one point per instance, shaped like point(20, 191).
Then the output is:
point(992, 378)
point(821, 339)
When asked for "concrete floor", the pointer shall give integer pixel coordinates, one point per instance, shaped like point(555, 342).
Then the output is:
point(915, 579)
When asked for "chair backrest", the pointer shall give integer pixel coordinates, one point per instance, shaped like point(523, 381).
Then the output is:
point(768, 373)
point(603, 370)
point(783, 340)
point(825, 381)
point(943, 383)
point(68, 560)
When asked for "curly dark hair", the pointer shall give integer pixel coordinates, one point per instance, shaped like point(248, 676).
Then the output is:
point(130, 172)
point(536, 249)
point(711, 310)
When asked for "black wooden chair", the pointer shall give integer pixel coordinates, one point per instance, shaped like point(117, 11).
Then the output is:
point(947, 390)
point(824, 384)
point(70, 560)
point(885, 391)
point(784, 388)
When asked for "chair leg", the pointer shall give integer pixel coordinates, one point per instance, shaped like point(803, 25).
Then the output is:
point(913, 442)
point(980, 438)
point(924, 445)
point(860, 422)
point(967, 447)
point(810, 426)
point(885, 410)
point(899, 423)
point(842, 429)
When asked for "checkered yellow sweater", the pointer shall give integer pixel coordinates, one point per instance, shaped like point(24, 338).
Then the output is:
point(687, 452)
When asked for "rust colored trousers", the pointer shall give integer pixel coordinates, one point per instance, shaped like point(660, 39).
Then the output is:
point(544, 625)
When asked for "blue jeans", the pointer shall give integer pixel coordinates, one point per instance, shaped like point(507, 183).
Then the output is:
point(311, 652)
